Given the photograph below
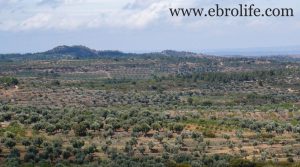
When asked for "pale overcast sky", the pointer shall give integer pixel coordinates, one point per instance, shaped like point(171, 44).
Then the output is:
point(139, 25)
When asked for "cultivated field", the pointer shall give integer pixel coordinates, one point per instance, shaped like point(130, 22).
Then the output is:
point(149, 110)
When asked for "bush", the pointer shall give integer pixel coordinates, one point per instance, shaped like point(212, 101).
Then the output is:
point(209, 134)
point(80, 130)
point(290, 159)
point(8, 81)
point(242, 163)
point(12, 162)
point(29, 156)
point(207, 103)
point(10, 143)
point(178, 127)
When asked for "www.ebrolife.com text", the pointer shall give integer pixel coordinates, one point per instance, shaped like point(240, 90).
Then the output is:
point(242, 10)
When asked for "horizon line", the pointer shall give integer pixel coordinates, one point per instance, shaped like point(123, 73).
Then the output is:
point(273, 50)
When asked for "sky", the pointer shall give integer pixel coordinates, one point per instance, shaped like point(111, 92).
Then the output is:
point(140, 25)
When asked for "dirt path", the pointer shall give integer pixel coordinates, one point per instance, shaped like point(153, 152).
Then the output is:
point(108, 74)
point(9, 92)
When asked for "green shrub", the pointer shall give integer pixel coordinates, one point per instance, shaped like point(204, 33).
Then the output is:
point(209, 134)
point(241, 163)
point(8, 81)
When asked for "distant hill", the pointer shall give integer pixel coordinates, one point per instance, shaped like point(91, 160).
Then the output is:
point(64, 52)
point(72, 50)
point(83, 52)
point(178, 53)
